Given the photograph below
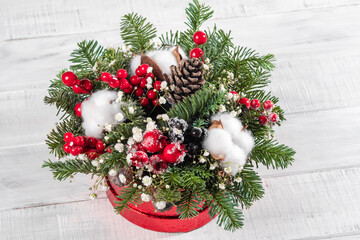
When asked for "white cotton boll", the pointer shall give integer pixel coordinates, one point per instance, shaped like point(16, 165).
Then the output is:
point(91, 128)
point(164, 59)
point(245, 140)
point(218, 142)
point(235, 158)
point(135, 62)
point(231, 124)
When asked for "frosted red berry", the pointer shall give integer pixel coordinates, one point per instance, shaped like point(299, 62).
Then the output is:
point(245, 102)
point(139, 159)
point(263, 120)
point(158, 163)
point(150, 75)
point(83, 86)
point(273, 117)
point(255, 104)
point(174, 153)
point(109, 150)
point(199, 38)
point(154, 141)
point(121, 73)
point(196, 53)
point(268, 105)
point(91, 141)
point(69, 78)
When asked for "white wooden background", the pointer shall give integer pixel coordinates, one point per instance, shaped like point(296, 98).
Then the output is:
point(317, 45)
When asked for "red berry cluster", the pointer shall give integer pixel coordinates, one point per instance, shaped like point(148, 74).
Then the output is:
point(93, 147)
point(78, 86)
point(118, 81)
point(160, 150)
point(199, 38)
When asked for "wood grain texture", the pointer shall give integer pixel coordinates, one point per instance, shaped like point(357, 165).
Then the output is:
point(305, 206)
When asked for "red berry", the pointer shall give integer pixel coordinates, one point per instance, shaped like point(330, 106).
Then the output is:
point(114, 83)
point(124, 84)
point(150, 75)
point(199, 38)
point(255, 104)
point(143, 83)
point(76, 151)
point(91, 141)
point(68, 137)
point(157, 85)
point(155, 102)
point(144, 102)
point(196, 53)
point(106, 77)
point(143, 70)
point(67, 148)
point(273, 117)
point(138, 72)
point(245, 101)
point(268, 105)
point(139, 159)
point(135, 80)
point(139, 92)
point(69, 78)
point(79, 141)
point(154, 141)
point(151, 94)
point(100, 146)
point(109, 150)
point(174, 153)
point(83, 86)
point(129, 89)
point(158, 163)
point(76, 88)
point(263, 120)
point(78, 109)
point(121, 73)
point(92, 154)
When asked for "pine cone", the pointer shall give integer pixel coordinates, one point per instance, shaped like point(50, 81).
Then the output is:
point(185, 79)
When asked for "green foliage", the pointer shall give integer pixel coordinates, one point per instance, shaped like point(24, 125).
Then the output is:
point(63, 170)
point(189, 205)
point(128, 195)
point(85, 57)
point(137, 33)
point(197, 14)
point(113, 59)
point(271, 153)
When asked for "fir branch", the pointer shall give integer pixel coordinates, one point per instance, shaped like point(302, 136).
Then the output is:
point(137, 33)
point(63, 170)
point(169, 39)
point(196, 15)
point(127, 195)
point(271, 153)
point(189, 205)
point(229, 215)
point(85, 57)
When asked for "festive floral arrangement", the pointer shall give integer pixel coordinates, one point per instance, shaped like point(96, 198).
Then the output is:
point(182, 122)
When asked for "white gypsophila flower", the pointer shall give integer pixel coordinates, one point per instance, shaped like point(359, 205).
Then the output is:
point(212, 166)
point(165, 117)
point(227, 170)
point(138, 137)
point(150, 126)
point(177, 131)
point(149, 167)
point(101, 160)
point(206, 67)
point(112, 172)
point(119, 147)
point(202, 160)
point(149, 80)
point(236, 97)
point(122, 178)
point(136, 130)
point(230, 75)
point(131, 110)
point(112, 63)
point(207, 60)
point(238, 179)
point(160, 205)
point(233, 113)
point(120, 94)
point(172, 87)
point(95, 163)
point(149, 69)
point(119, 117)
point(118, 100)
point(108, 127)
point(162, 100)
point(229, 96)
point(206, 153)
point(130, 141)
point(222, 88)
point(92, 196)
point(145, 197)
point(149, 85)
point(163, 85)
point(222, 186)
point(135, 185)
point(128, 159)
point(222, 108)
point(147, 181)
point(148, 119)
point(106, 138)
point(167, 186)
point(81, 156)
point(104, 187)
point(94, 69)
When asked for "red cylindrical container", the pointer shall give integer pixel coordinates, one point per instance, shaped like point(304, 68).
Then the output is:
point(144, 215)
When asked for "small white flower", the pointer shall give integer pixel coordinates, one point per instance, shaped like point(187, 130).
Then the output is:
point(119, 147)
point(162, 100)
point(229, 96)
point(108, 127)
point(149, 85)
point(81, 156)
point(160, 205)
point(145, 197)
point(135, 185)
point(130, 141)
point(92, 196)
point(206, 153)
point(138, 137)
point(150, 168)
point(119, 117)
point(230, 75)
point(172, 87)
point(165, 117)
point(238, 179)
point(131, 110)
point(163, 85)
point(222, 186)
point(206, 67)
point(149, 70)
point(149, 80)
point(202, 160)
point(122, 178)
point(120, 94)
point(222, 108)
point(148, 119)
point(233, 113)
point(112, 172)
point(150, 126)
point(227, 170)
point(128, 159)
point(167, 186)
point(95, 163)
point(212, 166)
point(207, 60)
point(106, 138)
point(118, 100)
point(236, 97)
point(101, 160)
point(136, 130)
point(147, 181)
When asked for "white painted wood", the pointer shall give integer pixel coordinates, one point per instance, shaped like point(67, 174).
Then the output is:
point(306, 206)
point(24, 19)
